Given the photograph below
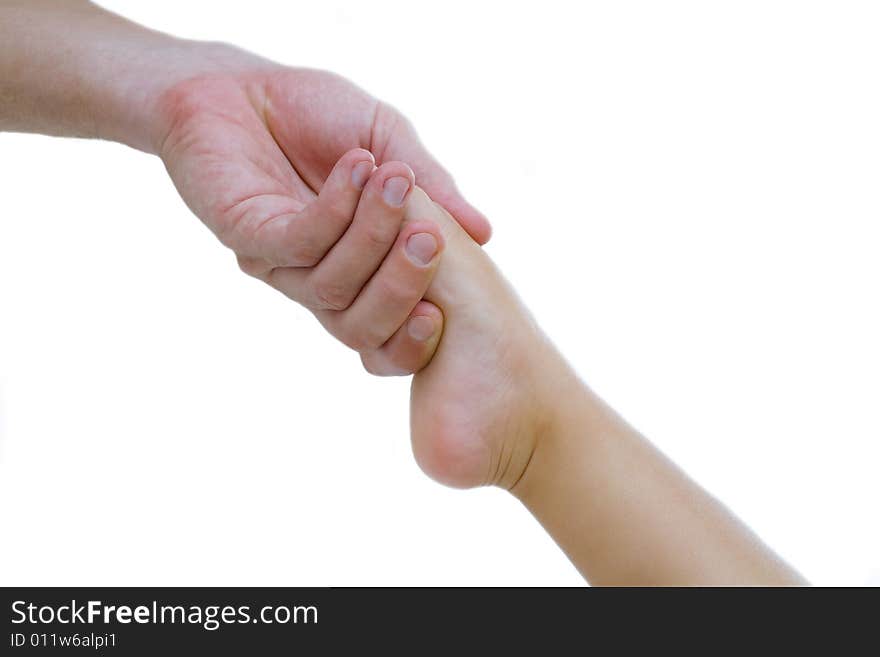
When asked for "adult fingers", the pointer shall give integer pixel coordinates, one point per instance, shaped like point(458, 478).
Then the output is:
point(391, 294)
point(359, 253)
point(301, 239)
point(411, 347)
point(340, 276)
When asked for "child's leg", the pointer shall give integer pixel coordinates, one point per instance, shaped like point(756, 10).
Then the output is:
point(498, 405)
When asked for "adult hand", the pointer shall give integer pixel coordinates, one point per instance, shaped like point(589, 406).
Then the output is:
point(274, 159)
point(271, 158)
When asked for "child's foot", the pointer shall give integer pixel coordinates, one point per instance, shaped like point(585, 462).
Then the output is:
point(476, 409)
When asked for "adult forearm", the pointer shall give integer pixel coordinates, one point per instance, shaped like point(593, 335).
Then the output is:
point(627, 515)
point(73, 69)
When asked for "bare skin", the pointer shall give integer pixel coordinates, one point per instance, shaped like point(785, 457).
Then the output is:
point(312, 183)
point(499, 406)
point(272, 159)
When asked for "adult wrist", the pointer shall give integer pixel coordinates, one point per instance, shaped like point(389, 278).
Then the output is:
point(76, 70)
point(137, 113)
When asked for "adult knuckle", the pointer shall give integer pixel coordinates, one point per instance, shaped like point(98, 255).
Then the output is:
point(337, 210)
point(363, 338)
point(353, 340)
point(306, 253)
point(379, 235)
point(392, 291)
point(331, 295)
point(251, 266)
point(372, 338)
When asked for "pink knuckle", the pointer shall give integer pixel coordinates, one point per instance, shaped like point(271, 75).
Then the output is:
point(305, 253)
point(354, 340)
point(364, 339)
point(374, 340)
point(252, 266)
point(378, 235)
point(338, 210)
point(392, 292)
point(332, 296)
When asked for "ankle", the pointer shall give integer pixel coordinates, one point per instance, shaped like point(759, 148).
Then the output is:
point(563, 397)
point(547, 384)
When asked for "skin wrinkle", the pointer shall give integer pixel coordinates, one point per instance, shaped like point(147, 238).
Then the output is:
point(525, 469)
point(379, 113)
point(253, 234)
point(267, 113)
point(371, 135)
point(498, 461)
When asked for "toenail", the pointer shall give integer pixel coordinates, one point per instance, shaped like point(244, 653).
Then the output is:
point(361, 173)
point(395, 190)
point(421, 248)
point(420, 328)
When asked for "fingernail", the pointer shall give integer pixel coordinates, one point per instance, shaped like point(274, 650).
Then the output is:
point(395, 190)
point(361, 173)
point(420, 328)
point(421, 248)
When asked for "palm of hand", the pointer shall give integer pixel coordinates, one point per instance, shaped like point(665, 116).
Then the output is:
point(239, 160)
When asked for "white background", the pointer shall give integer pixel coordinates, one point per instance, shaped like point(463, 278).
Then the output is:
point(685, 193)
